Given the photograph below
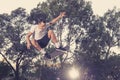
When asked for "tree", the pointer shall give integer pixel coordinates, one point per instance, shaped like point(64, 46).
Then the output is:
point(112, 23)
point(5, 70)
point(94, 35)
point(13, 46)
point(95, 48)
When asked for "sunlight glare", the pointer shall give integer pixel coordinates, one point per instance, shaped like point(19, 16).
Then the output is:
point(73, 73)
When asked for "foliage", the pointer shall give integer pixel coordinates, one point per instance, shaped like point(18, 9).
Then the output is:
point(92, 35)
point(5, 70)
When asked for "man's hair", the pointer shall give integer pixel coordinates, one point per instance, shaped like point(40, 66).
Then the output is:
point(37, 16)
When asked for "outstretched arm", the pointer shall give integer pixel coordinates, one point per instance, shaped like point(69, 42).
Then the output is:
point(62, 14)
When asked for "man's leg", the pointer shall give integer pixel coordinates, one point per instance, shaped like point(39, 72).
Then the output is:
point(52, 36)
point(35, 44)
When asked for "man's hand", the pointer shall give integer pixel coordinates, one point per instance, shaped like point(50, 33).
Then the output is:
point(62, 14)
point(28, 45)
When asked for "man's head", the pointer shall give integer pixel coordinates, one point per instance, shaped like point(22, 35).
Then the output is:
point(42, 22)
point(37, 17)
point(40, 18)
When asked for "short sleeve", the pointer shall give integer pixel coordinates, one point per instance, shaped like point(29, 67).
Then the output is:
point(47, 25)
point(32, 29)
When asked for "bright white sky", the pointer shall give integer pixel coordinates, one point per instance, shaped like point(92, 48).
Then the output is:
point(6, 6)
point(99, 6)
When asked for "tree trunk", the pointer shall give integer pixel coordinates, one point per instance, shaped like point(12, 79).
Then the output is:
point(17, 75)
point(17, 71)
point(107, 54)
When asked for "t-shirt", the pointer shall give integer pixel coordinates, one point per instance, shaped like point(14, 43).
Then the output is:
point(39, 33)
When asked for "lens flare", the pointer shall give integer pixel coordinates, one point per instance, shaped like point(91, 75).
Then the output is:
point(73, 73)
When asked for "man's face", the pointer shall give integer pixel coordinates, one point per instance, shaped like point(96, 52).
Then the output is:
point(42, 24)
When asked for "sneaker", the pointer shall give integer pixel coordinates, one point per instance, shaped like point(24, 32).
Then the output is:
point(61, 49)
point(47, 56)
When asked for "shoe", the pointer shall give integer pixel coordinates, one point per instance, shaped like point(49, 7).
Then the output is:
point(61, 49)
point(47, 56)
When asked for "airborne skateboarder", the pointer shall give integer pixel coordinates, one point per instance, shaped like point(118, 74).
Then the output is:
point(42, 34)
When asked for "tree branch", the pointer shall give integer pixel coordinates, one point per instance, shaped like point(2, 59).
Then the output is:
point(8, 62)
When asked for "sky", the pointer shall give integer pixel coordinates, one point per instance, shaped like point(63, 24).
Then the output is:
point(6, 6)
point(99, 6)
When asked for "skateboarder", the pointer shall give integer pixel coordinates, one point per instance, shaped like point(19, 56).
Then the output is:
point(42, 34)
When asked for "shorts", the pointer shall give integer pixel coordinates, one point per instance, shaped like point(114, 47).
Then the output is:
point(44, 41)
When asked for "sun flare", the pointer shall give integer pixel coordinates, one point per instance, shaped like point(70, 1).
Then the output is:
point(73, 73)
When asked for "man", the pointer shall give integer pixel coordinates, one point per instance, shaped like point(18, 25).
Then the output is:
point(42, 34)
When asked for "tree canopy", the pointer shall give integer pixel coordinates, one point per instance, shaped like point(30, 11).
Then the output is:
point(90, 38)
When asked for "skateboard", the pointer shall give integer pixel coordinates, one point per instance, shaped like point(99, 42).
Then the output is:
point(57, 53)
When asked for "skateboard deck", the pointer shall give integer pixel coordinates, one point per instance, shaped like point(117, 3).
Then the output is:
point(57, 53)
